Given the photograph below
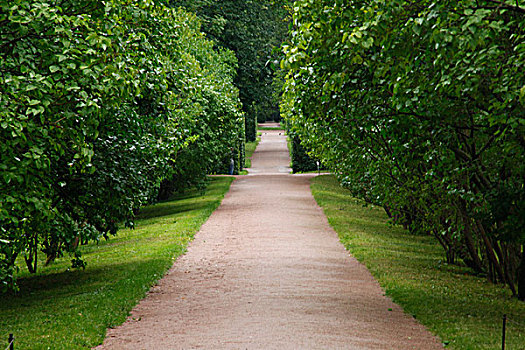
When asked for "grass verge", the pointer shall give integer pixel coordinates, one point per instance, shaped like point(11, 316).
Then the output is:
point(463, 310)
point(320, 171)
point(249, 149)
point(270, 128)
point(62, 309)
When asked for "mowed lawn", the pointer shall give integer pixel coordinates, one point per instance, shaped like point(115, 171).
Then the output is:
point(59, 308)
point(465, 311)
point(250, 148)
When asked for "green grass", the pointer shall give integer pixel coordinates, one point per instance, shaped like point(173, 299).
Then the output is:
point(313, 171)
point(463, 310)
point(62, 309)
point(270, 128)
point(249, 149)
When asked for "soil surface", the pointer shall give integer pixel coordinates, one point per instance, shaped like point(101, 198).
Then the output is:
point(266, 271)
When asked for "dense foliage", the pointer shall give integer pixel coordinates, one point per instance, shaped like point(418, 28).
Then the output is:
point(99, 103)
point(252, 29)
point(300, 160)
point(419, 106)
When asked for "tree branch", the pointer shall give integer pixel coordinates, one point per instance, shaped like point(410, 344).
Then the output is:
point(506, 6)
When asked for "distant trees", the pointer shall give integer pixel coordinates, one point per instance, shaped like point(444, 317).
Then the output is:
point(253, 29)
point(419, 106)
point(100, 103)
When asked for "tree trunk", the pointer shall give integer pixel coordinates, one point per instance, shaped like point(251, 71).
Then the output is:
point(387, 211)
point(32, 261)
point(506, 265)
point(469, 242)
point(521, 276)
point(493, 258)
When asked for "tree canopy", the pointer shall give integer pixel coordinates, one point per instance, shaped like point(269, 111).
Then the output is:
point(253, 29)
point(418, 106)
point(100, 103)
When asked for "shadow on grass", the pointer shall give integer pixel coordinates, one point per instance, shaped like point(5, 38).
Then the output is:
point(171, 208)
point(184, 202)
point(73, 309)
point(62, 309)
point(188, 193)
point(54, 287)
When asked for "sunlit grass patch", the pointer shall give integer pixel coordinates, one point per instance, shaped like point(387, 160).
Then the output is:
point(249, 149)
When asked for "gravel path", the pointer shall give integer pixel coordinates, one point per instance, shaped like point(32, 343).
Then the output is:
point(266, 271)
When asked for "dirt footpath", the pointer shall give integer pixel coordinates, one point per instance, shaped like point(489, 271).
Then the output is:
point(266, 271)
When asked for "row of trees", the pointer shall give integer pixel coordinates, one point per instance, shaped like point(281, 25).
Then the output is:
point(254, 30)
point(103, 105)
point(419, 106)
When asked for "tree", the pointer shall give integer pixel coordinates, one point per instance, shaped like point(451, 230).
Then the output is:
point(99, 103)
point(418, 106)
point(252, 29)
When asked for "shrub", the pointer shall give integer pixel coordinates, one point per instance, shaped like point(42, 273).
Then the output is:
point(99, 103)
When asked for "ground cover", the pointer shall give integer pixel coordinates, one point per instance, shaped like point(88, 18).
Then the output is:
point(319, 172)
point(249, 149)
point(270, 128)
point(464, 310)
point(66, 309)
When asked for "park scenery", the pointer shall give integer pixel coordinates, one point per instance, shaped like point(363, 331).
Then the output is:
point(260, 174)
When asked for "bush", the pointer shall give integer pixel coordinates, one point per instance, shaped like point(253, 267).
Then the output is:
point(253, 30)
point(419, 107)
point(99, 103)
point(301, 161)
